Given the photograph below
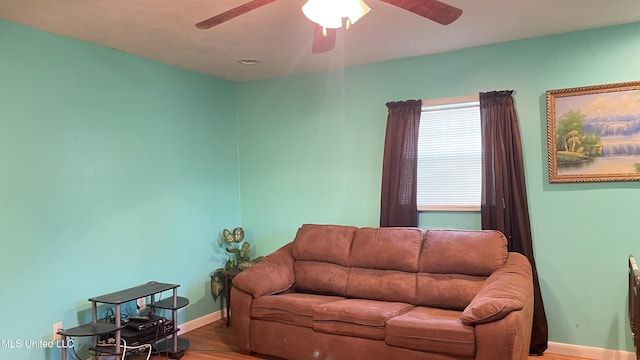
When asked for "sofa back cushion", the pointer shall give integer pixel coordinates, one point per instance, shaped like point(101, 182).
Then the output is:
point(321, 254)
point(447, 291)
point(439, 268)
point(384, 262)
point(325, 243)
point(455, 263)
point(469, 252)
point(320, 277)
point(386, 285)
point(387, 248)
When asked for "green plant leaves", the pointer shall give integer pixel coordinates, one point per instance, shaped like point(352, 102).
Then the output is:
point(245, 251)
point(227, 237)
point(238, 234)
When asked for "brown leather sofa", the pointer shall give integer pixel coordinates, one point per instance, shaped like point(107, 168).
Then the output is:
point(342, 292)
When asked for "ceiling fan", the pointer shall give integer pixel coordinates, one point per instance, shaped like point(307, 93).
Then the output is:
point(324, 37)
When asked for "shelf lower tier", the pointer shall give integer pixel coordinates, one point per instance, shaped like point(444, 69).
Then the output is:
point(166, 347)
point(163, 346)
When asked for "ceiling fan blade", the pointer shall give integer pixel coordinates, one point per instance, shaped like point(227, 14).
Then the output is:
point(230, 14)
point(322, 43)
point(434, 10)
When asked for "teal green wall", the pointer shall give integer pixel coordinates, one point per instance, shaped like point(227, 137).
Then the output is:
point(108, 160)
point(311, 149)
point(114, 171)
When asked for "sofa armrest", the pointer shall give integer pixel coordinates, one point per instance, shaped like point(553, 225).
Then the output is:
point(506, 339)
point(272, 275)
point(507, 289)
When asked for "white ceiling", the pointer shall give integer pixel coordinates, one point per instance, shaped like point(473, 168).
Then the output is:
point(280, 36)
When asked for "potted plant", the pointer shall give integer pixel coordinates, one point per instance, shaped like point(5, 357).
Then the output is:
point(239, 258)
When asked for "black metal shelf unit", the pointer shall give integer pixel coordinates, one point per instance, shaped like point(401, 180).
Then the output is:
point(174, 346)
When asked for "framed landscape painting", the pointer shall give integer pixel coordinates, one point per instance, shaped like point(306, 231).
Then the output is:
point(593, 133)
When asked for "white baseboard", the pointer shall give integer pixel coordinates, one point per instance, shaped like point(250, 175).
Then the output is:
point(200, 322)
point(589, 352)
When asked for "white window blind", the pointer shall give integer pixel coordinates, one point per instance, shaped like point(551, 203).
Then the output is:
point(449, 155)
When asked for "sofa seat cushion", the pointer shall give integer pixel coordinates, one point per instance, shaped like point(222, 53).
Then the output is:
point(432, 330)
point(357, 317)
point(289, 308)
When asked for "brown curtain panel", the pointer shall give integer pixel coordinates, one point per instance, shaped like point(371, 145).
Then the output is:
point(504, 196)
point(398, 205)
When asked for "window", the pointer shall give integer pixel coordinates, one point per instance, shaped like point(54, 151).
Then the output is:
point(449, 155)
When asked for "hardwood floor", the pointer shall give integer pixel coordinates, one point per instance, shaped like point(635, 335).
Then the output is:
point(217, 342)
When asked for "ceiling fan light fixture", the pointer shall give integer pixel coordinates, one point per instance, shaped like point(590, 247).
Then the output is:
point(329, 13)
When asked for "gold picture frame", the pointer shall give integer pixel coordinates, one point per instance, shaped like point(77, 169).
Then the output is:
point(593, 133)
